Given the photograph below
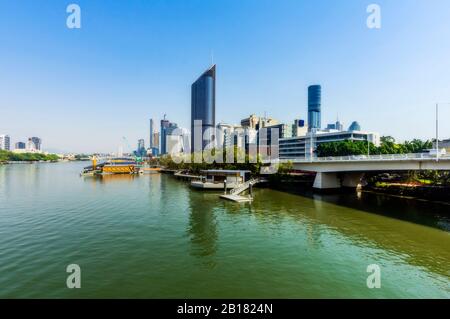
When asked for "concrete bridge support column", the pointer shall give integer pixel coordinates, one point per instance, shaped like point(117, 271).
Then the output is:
point(328, 181)
point(325, 181)
point(352, 180)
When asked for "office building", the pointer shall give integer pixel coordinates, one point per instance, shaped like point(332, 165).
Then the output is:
point(314, 107)
point(304, 146)
point(141, 151)
point(20, 146)
point(34, 144)
point(152, 132)
point(257, 122)
point(252, 122)
point(167, 128)
point(203, 108)
point(163, 133)
point(5, 142)
point(156, 136)
point(225, 135)
point(178, 141)
point(228, 136)
point(267, 140)
point(299, 128)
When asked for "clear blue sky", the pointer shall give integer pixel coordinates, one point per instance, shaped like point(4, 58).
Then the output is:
point(82, 90)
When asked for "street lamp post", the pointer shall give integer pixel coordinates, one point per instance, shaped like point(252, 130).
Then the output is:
point(437, 129)
point(437, 132)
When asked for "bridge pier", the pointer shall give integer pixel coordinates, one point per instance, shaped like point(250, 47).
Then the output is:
point(352, 180)
point(329, 181)
point(326, 181)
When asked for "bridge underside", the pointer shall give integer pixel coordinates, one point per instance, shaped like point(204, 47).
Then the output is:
point(333, 175)
point(327, 181)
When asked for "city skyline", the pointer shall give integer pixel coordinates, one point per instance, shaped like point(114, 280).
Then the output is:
point(142, 64)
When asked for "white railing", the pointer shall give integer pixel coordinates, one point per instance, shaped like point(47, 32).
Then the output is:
point(243, 187)
point(369, 158)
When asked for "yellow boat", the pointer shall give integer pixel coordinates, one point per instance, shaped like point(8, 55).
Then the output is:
point(113, 166)
point(120, 166)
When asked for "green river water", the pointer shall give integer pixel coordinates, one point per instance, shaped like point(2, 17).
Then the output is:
point(152, 236)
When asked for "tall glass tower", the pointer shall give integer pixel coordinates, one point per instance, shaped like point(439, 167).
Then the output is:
point(314, 102)
point(151, 133)
point(203, 107)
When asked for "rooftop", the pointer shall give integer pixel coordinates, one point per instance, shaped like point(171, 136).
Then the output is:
point(224, 172)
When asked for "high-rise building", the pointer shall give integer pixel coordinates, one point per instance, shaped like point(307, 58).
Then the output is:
point(34, 144)
point(164, 125)
point(141, 151)
point(224, 135)
point(177, 141)
point(203, 108)
point(299, 128)
point(141, 144)
point(339, 126)
point(314, 105)
point(251, 122)
point(20, 146)
point(151, 133)
point(5, 142)
point(167, 129)
point(257, 122)
point(155, 142)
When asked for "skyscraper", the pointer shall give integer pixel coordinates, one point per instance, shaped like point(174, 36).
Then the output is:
point(339, 126)
point(151, 133)
point(167, 129)
point(5, 143)
point(203, 107)
point(314, 103)
point(163, 133)
point(34, 144)
point(156, 140)
point(141, 151)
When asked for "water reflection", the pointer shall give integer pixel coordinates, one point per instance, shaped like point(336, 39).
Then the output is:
point(202, 223)
point(110, 178)
point(365, 224)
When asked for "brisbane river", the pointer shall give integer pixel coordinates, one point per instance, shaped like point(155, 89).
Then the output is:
point(152, 236)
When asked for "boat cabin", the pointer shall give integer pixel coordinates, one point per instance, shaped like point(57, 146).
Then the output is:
point(215, 179)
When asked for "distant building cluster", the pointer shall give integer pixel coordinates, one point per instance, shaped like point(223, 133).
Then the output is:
point(297, 140)
point(33, 145)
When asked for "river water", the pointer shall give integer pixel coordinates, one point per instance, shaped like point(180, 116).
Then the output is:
point(152, 236)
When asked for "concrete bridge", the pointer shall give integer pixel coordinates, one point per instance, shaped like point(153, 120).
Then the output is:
point(347, 171)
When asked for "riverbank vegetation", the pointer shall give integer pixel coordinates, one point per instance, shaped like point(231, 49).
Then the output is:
point(409, 178)
point(7, 156)
point(215, 159)
point(387, 146)
point(430, 185)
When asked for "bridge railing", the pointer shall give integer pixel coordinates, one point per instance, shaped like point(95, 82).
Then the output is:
point(382, 157)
